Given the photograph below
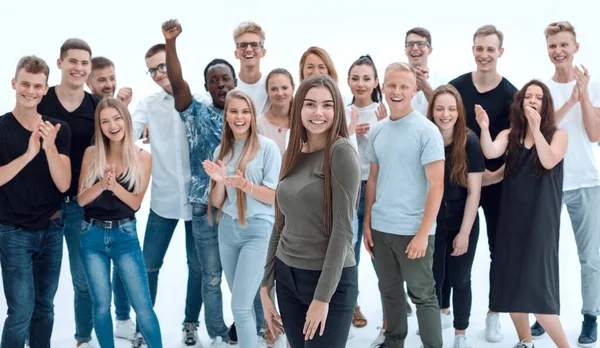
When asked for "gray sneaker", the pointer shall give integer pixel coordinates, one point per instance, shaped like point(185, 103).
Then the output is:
point(493, 331)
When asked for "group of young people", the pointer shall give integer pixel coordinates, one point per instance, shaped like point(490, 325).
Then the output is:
point(278, 188)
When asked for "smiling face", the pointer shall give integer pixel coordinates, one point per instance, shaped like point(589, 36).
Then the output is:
point(318, 111)
point(249, 49)
point(313, 64)
point(76, 67)
point(486, 50)
point(219, 81)
point(562, 48)
point(112, 124)
point(445, 111)
point(102, 82)
point(399, 87)
point(238, 117)
point(29, 88)
point(417, 50)
point(280, 90)
point(161, 77)
point(534, 97)
point(362, 82)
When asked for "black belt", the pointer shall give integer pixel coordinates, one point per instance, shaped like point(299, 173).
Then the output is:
point(107, 223)
point(68, 199)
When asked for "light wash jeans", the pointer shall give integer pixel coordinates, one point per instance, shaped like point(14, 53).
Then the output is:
point(582, 205)
point(243, 255)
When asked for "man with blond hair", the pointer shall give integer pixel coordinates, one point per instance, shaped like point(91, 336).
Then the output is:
point(578, 112)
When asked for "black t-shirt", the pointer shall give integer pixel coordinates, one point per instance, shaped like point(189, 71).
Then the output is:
point(455, 196)
point(31, 197)
point(495, 102)
point(107, 206)
point(81, 122)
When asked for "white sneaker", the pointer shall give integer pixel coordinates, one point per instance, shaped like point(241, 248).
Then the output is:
point(138, 342)
point(493, 331)
point(189, 334)
point(125, 329)
point(380, 338)
point(218, 343)
point(447, 320)
point(524, 345)
point(86, 345)
point(460, 341)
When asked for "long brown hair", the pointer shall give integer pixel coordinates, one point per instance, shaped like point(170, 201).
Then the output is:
point(298, 136)
point(284, 72)
point(519, 124)
point(251, 148)
point(132, 171)
point(325, 57)
point(460, 162)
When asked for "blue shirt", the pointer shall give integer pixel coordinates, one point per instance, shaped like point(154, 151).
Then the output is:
point(402, 148)
point(203, 128)
point(262, 170)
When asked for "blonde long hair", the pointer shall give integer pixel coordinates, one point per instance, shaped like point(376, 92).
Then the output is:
point(251, 149)
point(132, 173)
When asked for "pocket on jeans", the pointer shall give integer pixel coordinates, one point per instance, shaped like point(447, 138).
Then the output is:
point(200, 212)
point(129, 228)
point(6, 229)
point(58, 223)
point(85, 226)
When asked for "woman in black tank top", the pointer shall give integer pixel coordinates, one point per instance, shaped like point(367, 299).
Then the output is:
point(114, 178)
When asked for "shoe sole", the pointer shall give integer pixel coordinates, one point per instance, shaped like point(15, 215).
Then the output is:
point(538, 337)
point(586, 345)
point(494, 341)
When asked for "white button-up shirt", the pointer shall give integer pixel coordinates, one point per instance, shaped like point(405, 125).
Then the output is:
point(170, 155)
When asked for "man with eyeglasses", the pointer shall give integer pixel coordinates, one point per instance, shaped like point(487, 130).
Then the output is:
point(418, 48)
point(170, 186)
point(249, 40)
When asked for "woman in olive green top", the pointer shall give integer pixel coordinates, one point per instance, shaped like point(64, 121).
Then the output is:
point(310, 252)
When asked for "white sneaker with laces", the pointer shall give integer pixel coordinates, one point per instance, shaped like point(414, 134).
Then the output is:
point(447, 320)
point(460, 341)
point(218, 343)
point(493, 331)
point(125, 329)
point(380, 338)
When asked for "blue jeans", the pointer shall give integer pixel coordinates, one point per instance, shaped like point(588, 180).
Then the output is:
point(73, 216)
point(243, 252)
point(119, 243)
point(31, 262)
point(207, 246)
point(159, 231)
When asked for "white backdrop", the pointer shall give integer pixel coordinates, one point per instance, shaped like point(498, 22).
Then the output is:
point(124, 30)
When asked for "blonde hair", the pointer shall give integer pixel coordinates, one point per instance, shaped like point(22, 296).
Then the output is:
point(249, 28)
point(132, 172)
point(251, 149)
point(325, 57)
point(559, 27)
point(399, 67)
point(488, 30)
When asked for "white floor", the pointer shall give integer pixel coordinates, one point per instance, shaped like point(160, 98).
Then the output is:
point(173, 277)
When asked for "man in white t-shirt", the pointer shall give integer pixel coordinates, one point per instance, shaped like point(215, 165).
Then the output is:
point(249, 40)
point(418, 48)
point(577, 103)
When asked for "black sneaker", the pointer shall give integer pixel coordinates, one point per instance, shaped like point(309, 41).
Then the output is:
point(233, 334)
point(589, 334)
point(537, 331)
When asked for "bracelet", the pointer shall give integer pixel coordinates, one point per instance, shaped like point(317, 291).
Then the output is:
point(251, 188)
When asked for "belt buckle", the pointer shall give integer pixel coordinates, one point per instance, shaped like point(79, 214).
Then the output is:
point(107, 224)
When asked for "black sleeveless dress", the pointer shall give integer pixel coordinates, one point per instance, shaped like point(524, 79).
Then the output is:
point(524, 274)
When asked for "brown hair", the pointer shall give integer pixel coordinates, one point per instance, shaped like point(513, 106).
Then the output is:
point(33, 65)
point(74, 44)
point(99, 63)
point(488, 30)
point(155, 49)
point(251, 149)
point(460, 163)
point(299, 136)
point(284, 72)
point(249, 28)
point(419, 31)
point(321, 53)
point(559, 27)
point(519, 124)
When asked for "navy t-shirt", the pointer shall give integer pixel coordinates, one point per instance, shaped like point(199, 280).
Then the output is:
point(31, 197)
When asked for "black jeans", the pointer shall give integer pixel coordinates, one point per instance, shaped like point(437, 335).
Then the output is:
point(454, 273)
point(490, 202)
point(295, 290)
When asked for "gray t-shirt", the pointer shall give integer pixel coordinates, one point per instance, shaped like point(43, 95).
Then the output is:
point(299, 239)
point(262, 170)
point(402, 148)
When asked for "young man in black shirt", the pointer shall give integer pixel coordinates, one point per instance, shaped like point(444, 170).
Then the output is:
point(486, 88)
point(35, 170)
point(68, 102)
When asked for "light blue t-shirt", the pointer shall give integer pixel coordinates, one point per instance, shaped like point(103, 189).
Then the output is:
point(402, 148)
point(263, 170)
